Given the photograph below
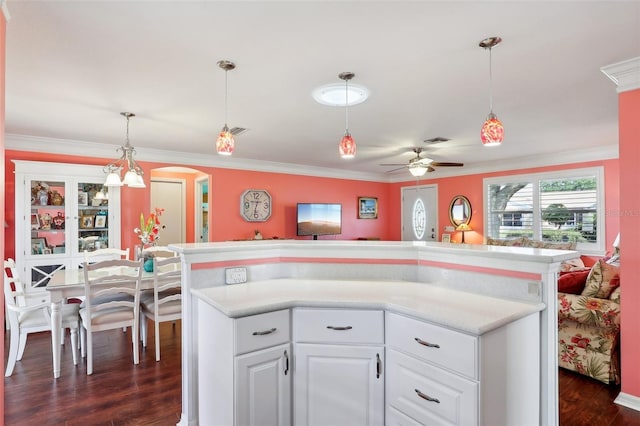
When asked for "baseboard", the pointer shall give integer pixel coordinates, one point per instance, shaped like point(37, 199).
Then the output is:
point(629, 401)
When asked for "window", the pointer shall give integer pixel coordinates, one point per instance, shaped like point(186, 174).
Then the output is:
point(554, 206)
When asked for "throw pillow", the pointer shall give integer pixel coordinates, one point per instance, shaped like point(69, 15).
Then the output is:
point(572, 265)
point(601, 280)
point(572, 282)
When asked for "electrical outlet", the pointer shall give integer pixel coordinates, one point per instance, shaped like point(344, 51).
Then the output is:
point(235, 275)
point(534, 288)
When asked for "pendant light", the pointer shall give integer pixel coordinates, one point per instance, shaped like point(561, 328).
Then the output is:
point(347, 147)
point(225, 142)
point(492, 132)
point(133, 176)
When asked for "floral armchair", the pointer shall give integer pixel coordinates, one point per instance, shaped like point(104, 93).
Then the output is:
point(589, 324)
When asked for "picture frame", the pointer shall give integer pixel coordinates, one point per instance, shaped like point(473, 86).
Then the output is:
point(446, 238)
point(100, 221)
point(83, 198)
point(86, 222)
point(38, 245)
point(367, 208)
point(35, 221)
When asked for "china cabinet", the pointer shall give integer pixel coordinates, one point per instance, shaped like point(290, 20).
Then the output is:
point(61, 211)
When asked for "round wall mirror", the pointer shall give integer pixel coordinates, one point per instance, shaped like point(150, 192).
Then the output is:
point(459, 210)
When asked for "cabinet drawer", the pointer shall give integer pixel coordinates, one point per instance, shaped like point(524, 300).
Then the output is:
point(261, 331)
point(338, 326)
point(449, 349)
point(429, 394)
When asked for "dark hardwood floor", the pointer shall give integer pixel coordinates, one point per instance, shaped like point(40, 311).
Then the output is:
point(119, 393)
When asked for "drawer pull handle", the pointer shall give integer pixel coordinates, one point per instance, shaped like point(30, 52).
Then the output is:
point(286, 362)
point(378, 366)
point(427, 397)
point(333, 327)
point(427, 344)
point(262, 333)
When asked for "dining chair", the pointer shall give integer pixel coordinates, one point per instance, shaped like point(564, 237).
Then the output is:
point(159, 251)
point(25, 319)
point(165, 302)
point(112, 300)
point(106, 254)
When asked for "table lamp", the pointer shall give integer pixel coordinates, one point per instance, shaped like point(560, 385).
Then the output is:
point(463, 227)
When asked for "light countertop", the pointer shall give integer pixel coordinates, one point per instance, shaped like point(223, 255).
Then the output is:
point(462, 311)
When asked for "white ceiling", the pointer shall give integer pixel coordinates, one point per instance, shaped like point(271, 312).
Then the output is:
point(73, 66)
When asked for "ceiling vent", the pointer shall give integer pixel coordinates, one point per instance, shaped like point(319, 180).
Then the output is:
point(435, 140)
point(237, 130)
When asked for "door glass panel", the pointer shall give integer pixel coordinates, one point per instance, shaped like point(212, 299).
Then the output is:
point(93, 214)
point(419, 219)
point(47, 218)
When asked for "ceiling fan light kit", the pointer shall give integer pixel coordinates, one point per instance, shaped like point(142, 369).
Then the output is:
point(225, 142)
point(347, 146)
point(492, 132)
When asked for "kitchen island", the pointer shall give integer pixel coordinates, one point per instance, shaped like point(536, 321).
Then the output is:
point(495, 297)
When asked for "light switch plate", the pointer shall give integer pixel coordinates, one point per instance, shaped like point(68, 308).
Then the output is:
point(449, 228)
point(235, 275)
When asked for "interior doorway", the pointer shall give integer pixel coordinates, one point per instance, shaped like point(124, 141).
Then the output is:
point(170, 194)
point(202, 209)
point(420, 213)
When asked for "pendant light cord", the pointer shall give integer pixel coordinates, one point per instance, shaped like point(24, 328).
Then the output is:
point(490, 84)
point(226, 90)
point(346, 97)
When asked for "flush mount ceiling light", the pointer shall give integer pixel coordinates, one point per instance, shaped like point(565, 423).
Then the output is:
point(225, 143)
point(492, 132)
point(334, 94)
point(133, 176)
point(347, 146)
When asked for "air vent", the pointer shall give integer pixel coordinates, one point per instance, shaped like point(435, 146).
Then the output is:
point(435, 140)
point(237, 130)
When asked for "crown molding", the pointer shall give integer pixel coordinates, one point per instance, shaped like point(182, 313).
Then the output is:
point(605, 152)
point(108, 151)
point(625, 74)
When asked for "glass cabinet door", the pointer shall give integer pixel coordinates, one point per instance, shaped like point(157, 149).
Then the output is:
point(48, 218)
point(93, 217)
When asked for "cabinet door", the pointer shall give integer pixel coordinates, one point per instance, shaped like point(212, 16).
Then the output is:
point(338, 385)
point(263, 387)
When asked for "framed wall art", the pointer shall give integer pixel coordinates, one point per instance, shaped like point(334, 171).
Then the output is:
point(367, 208)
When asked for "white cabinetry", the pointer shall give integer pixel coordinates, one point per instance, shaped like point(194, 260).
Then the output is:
point(438, 376)
point(244, 368)
point(339, 359)
point(60, 213)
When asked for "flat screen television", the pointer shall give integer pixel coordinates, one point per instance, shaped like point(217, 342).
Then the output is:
point(319, 219)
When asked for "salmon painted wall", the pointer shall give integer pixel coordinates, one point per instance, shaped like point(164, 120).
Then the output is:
point(224, 201)
point(629, 133)
point(471, 187)
point(3, 39)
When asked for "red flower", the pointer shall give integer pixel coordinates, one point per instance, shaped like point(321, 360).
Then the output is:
point(592, 304)
point(581, 342)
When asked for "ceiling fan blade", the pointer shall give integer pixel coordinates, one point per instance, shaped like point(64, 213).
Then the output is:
point(440, 164)
point(430, 169)
point(396, 169)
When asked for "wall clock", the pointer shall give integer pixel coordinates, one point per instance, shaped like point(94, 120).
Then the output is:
point(255, 205)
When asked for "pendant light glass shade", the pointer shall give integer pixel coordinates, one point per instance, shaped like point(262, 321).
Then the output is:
point(347, 146)
point(492, 132)
point(225, 143)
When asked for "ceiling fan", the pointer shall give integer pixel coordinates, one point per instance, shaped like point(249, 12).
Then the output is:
point(419, 165)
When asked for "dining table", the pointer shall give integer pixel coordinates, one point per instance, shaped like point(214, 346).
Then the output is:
point(69, 283)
